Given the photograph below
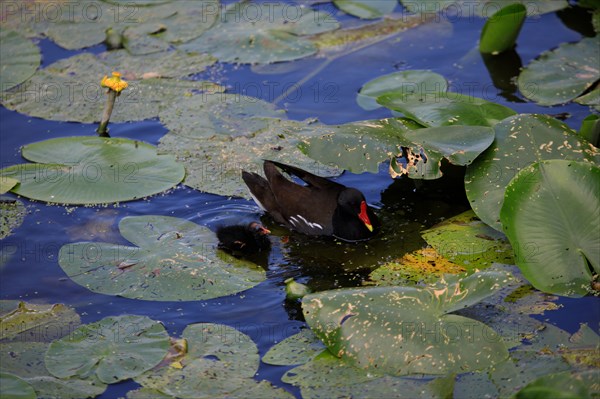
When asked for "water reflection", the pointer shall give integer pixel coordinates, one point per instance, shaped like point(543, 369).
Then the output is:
point(504, 68)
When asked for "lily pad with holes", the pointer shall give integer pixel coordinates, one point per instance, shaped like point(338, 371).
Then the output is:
point(171, 260)
point(221, 115)
point(113, 349)
point(366, 9)
point(69, 89)
point(563, 74)
point(412, 84)
point(408, 330)
point(466, 240)
point(169, 23)
point(13, 214)
point(445, 109)
point(564, 250)
point(520, 141)
point(92, 170)
point(20, 58)
point(362, 146)
point(220, 362)
point(214, 165)
point(261, 33)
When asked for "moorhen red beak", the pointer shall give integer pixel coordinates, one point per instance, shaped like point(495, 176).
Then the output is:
point(321, 207)
point(244, 239)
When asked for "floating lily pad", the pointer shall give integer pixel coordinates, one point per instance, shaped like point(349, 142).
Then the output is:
point(520, 141)
point(366, 9)
point(6, 184)
point(20, 58)
point(215, 165)
point(69, 89)
point(220, 362)
point(13, 214)
point(563, 74)
point(14, 387)
point(90, 20)
point(410, 84)
point(296, 349)
point(362, 146)
point(501, 30)
point(250, 33)
point(466, 240)
point(114, 349)
point(172, 260)
point(223, 115)
point(556, 248)
point(483, 8)
point(424, 265)
point(563, 385)
point(445, 109)
point(93, 170)
point(22, 321)
point(383, 328)
point(592, 98)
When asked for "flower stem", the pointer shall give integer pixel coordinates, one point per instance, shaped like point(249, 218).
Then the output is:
point(108, 107)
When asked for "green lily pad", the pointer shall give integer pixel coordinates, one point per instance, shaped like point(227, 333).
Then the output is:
point(214, 165)
point(408, 330)
point(410, 84)
point(6, 184)
point(251, 33)
point(20, 58)
point(520, 141)
point(366, 9)
point(483, 8)
point(114, 349)
point(555, 247)
point(565, 385)
point(13, 213)
point(93, 170)
point(172, 260)
point(13, 387)
point(22, 321)
point(69, 89)
point(592, 99)
point(466, 240)
point(220, 362)
point(224, 115)
point(563, 74)
point(501, 30)
point(445, 109)
point(296, 349)
point(362, 146)
point(90, 20)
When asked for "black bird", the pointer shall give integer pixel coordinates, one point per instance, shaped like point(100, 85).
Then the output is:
point(321, 207)
point(244, 239)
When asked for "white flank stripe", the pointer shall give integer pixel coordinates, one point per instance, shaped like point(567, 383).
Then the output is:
point(310, 224)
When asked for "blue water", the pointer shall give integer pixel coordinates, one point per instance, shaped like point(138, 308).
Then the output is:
point(32, 273)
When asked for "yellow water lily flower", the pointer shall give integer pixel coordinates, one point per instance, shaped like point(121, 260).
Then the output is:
point(114, 82)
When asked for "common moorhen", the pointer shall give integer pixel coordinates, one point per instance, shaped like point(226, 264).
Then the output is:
point(244, 239)
point(321, 207)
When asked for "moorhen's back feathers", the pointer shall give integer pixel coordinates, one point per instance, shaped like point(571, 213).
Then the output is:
point(321, 207)
point(244, 239)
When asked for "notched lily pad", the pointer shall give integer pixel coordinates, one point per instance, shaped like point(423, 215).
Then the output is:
point(220, 361)
point(466, 240)
point(20, 58)
point(408, 330)
point(519, 141)
point(251, 33)
point(172, 260)
point(556, 248)
point(114, 349)
point(563, 74)
point(69, 89)
point(296, 349)
point(93, 170)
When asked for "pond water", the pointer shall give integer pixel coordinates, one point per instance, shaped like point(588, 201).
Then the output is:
point(31, 272)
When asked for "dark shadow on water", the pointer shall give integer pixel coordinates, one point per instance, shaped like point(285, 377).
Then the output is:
point(504, 68)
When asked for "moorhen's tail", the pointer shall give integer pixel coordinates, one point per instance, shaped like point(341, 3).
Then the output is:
point(260, 190)
point(313, 180)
